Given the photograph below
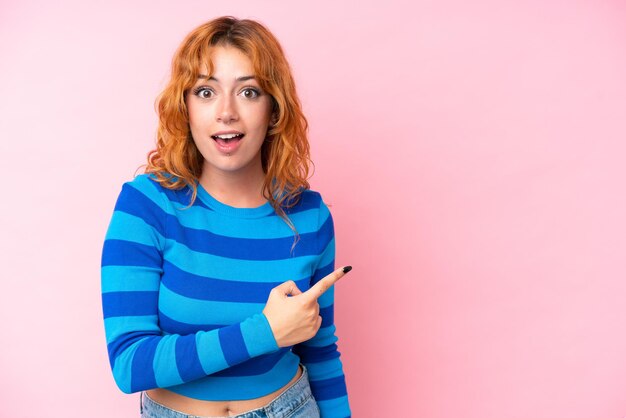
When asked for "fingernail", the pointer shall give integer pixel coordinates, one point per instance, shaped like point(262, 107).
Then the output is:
point(347, 269)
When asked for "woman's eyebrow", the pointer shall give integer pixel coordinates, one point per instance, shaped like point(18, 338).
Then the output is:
point(243, 78)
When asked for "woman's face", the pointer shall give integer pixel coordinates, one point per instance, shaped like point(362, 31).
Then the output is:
point(229, 115)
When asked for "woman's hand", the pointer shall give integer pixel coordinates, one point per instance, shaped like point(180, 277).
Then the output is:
point(294, 316)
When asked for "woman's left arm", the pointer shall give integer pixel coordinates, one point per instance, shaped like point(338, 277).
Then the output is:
point(320, 354)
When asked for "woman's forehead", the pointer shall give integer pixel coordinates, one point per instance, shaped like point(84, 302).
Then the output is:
point(220, 63)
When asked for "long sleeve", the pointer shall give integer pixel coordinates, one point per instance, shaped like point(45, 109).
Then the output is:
point(320, 354)
point(141, 355)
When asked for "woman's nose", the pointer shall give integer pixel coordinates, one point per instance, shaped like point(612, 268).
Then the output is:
point(227, 110)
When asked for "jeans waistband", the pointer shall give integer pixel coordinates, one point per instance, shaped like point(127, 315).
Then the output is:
point(289, 400)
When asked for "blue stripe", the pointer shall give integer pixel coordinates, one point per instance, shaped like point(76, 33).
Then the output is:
point(322, 272)
point(261, 364)
point(118, 346)
point(207, 265)
point(324, 337)
point(129, 303)
point(128, 227)
point(171, 326)
point(308, 200)
point(194, 311)
point(187, 360)
point(126, 253)
point(168, 226)
point(268, 227)
point(181, 196)
point(142, 369)
point(325, 234)
point(242, 248)
point(207, 288)
point(110, 279)
point(334, 387)
point(233, 345)
point(328, 316)
point(133, 202)
point(310, 354)
point(328, 255)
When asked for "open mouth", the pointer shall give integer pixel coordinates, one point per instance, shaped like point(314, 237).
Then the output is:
point(227, 143)
point(226, 139)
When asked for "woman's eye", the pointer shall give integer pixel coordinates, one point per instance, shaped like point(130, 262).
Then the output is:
point(250, 93)
point(203, 92)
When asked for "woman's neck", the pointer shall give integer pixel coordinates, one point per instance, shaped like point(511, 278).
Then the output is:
point(240, 190)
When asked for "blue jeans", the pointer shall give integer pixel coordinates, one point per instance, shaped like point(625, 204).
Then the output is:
point(297, 401)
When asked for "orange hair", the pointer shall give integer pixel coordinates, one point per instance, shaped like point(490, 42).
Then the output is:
point(285, 154)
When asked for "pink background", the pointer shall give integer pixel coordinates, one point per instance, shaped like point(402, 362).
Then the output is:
point(472, 152)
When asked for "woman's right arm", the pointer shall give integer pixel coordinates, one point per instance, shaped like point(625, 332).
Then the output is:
point(141, 357)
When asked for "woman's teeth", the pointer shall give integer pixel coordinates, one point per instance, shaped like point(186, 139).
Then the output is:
point(227, 137)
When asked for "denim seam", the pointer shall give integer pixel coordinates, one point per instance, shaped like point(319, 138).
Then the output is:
point(297, 408)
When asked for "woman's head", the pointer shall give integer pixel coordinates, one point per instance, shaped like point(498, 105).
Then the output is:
point(177, 162)
point(229, 115)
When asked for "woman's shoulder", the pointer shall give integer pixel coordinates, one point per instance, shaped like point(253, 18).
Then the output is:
point(149, 181)
point(155, 187)
point(143, 185)
point(314, 198)
point(148, 189)
point(306, 199)
point(316, 211)
point(310, 206)
point(141, 191)
point(309, 194)
point(143, 181)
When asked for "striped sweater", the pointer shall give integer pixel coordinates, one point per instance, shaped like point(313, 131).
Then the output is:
point(183, 289)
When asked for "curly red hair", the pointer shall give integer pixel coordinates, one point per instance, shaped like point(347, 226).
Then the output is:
point(177, 163)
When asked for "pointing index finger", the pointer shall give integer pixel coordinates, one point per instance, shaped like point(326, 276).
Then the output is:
point(319, 288)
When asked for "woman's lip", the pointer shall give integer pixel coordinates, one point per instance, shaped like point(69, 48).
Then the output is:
point(227, 147)
point(227, 132)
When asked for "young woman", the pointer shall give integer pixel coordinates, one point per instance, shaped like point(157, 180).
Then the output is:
point(218, 265)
